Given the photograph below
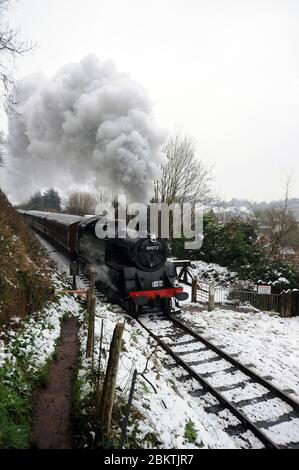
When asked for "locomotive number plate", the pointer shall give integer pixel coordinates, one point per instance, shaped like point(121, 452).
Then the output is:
point(157, 284)
point(152, 248)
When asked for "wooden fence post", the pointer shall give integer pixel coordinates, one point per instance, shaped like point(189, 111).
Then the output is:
point(100, 361)
point(91, 306)
point(211, 298)
point(92, 281)
point(282, 303)
point(286, 304)
point(295, 303)
point(88, 296)
point(194, 290)
point(91, 327)
point(90, 290)
point(105, 405)
point(289, 304)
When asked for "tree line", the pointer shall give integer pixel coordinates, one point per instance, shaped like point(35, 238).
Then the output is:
point(76, 202)
point(259, 245)
point(256, 244)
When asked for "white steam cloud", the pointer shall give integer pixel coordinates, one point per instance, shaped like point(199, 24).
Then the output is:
point(88, 125)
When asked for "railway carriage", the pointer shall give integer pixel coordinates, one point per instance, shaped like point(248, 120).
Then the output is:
point(60, 228)
point(63, 229)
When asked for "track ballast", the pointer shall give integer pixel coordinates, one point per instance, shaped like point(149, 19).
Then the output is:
point(206, 361)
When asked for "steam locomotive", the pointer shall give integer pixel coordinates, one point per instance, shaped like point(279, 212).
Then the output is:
point(131, 271)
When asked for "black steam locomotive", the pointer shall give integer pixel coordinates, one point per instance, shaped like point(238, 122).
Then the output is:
point(133, 272)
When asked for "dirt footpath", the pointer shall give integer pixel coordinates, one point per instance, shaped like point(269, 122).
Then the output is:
point(52, 428)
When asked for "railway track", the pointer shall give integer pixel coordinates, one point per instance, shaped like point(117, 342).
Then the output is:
point(256, 403)
point(181, 336)
point(224, 379)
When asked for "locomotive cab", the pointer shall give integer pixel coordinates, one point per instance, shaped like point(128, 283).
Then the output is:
point(135, 268)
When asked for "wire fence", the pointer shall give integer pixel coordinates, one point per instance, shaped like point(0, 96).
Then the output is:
point(286, 303)
point(267, 302)
point(235, 297)
point(221, 294)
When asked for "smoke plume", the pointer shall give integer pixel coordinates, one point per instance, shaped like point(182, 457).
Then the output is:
point(88, 125)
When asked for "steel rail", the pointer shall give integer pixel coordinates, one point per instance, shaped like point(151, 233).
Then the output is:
point(268, 443)
point(254, 375)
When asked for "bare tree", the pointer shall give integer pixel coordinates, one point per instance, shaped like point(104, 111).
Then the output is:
point(223, 214)
point(11, 46)
point(184, 178)
point(104, 195)
point(2, 143)
point(277, 225)
point(81, 203)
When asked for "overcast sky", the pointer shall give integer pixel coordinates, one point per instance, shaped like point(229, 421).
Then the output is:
point(225, 71)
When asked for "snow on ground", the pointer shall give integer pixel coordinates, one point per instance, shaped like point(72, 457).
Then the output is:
point(61, 260)
point(166, 414)
point(221, 295)
point(210, 272)
point(269, 343)
point(236, 384)
point(264, 341)
point(165, 404)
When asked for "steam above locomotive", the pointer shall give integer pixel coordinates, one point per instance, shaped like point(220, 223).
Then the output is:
point(132, 271)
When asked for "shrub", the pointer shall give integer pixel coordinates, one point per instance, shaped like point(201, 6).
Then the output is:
point(24, 274)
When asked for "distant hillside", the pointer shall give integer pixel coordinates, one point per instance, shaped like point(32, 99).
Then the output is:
point(241, 204)
point(24, 275)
